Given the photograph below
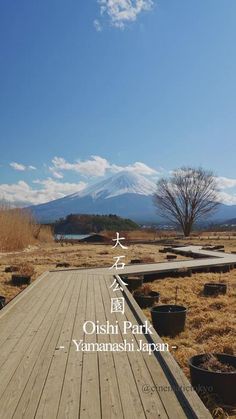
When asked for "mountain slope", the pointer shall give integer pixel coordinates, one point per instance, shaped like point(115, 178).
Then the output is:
point(119, 184)
point(126, 194)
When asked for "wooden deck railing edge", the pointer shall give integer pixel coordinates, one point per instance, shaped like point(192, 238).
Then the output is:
point(22, 294)
point(190, 401)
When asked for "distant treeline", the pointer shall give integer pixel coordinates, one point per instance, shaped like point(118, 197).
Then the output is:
point(84, 224)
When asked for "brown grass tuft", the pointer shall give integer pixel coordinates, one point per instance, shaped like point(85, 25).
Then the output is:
point(19, 230)
point(26, 268)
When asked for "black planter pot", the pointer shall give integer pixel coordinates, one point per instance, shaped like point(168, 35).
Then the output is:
point(2, 301)
point(149, 300)
point(220, 384)
point(11, 269)
point(214, 289)
point(168, 320)
point(220, 269)
point(171, 257)
point(62, 265)
point(18, 279)
point(199, 270)
point(182, 273)
point(167, 249)
point(153, 277)
point(133, 282)
point(135, 261)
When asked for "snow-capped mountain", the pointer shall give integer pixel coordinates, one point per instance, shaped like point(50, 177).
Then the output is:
point(119, 184)
point(126, 194)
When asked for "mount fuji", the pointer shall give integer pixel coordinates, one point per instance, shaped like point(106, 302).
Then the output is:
point(126, 194)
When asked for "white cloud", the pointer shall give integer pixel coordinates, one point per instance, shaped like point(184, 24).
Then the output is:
point(224, 182)
point(96, 167)
point(55, 173)
point(137, 167)
point(97, 25)
point(21, 167)
point(121, 12)
point(226, 198)
point(17, 166)
point(47, 190)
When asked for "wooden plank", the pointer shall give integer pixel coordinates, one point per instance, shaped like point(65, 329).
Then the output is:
point(15, 354)
point(13, 391)
point(90, 390)
point(110, 395)
point(130, 399)
point(15, 301)
point(15, 312)
point(13, 333)
point(151, 400)
point(70, 397)
point(50, 398)
point(32, 392)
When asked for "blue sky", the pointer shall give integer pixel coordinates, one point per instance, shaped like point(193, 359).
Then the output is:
point(127, 81)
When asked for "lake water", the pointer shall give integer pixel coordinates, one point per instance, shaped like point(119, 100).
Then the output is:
point(71, 236)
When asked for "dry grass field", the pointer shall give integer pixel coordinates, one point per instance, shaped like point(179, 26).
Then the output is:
point(211, 321)
point(45, 257)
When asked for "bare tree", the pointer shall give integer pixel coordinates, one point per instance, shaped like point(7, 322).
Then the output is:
point(187, 196)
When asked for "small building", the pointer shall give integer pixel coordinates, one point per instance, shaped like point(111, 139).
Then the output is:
point(95, 238)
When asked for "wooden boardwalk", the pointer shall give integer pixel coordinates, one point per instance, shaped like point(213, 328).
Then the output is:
point(206, 259)
point(43, 376)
